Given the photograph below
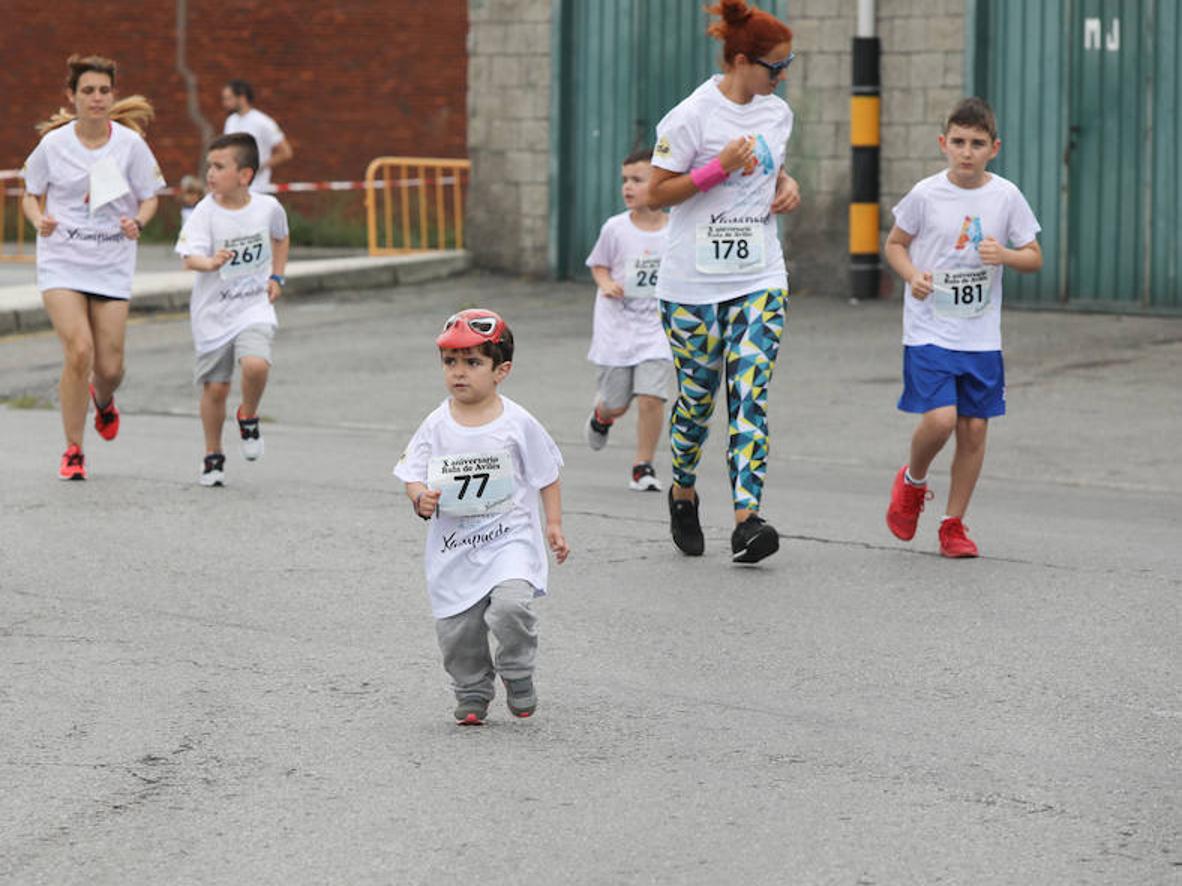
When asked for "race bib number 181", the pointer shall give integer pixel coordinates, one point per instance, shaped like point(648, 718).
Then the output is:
point(472, 484)
point(964, 292)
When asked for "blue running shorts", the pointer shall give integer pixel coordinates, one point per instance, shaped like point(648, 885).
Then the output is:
point(972, 381)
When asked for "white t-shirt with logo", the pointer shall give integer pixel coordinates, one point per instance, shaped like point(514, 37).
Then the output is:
point(227, 301)
point(724, 242)
point(947, 223)
point(266, 132)
point(87, 252)
point(627, 331)
point(465, 557)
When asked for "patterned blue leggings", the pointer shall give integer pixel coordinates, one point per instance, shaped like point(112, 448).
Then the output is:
point(742, 335)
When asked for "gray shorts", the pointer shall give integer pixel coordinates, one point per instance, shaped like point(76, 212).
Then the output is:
point(218, 365)
point(619, 384)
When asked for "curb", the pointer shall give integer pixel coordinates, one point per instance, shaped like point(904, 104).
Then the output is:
point(169, 290)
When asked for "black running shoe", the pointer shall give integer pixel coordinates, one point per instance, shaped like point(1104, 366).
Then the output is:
point(213, 472)
point(753, 539)
point(683, 523)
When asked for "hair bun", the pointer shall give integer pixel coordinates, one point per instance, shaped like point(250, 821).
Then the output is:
point(735, 12)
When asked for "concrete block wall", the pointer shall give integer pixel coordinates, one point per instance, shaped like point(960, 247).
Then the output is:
point(509, 134)
point(509, 124)
point(922, 77)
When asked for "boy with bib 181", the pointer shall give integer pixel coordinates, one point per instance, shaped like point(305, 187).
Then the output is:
point(476, 469)
point(949, 245)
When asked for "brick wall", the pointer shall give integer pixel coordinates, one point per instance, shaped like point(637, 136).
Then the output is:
point(509, 134)
point(347, 81)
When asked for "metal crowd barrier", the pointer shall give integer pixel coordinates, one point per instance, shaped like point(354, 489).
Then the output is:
point(421, 204)
point(12, 185)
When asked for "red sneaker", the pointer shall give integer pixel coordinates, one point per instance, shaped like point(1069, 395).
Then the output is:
point(106, 418)
point(73, 464)
point(902, 515)
point(953, 541)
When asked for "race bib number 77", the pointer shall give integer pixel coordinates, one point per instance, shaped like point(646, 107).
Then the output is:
point(472, 484)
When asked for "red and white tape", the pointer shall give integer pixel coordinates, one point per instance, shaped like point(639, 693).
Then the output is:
point(280, 187)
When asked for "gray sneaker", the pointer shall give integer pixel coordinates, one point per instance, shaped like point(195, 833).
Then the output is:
point(471, 711)
point(596, 432)
point(520, 696)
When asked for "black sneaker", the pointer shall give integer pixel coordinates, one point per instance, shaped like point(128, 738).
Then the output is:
point(520, 696)
point(683, 523)
point(596, 432)
point(644, 478)
point(214, 471)
point(753, 539)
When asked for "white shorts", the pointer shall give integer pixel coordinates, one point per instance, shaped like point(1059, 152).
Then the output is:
point(218, 365)
point(619, 384)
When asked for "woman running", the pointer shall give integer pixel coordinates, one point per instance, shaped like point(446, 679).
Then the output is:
point(98, 179)
point(723, 286)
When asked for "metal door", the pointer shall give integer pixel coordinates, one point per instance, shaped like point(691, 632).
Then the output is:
point(619, 66)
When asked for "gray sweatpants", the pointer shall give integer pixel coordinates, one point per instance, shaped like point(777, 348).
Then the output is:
point(506, 611)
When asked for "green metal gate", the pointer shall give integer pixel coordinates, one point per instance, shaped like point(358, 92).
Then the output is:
point(619, 66)
point(1087, 95)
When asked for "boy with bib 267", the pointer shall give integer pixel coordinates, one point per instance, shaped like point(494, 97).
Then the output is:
point(476, 469)
point(238, 242)
point(949, 245)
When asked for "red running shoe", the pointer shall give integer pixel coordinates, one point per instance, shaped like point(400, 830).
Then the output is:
point(902, 515)
point(73, 464)
point(953, 541)
point(106, 418)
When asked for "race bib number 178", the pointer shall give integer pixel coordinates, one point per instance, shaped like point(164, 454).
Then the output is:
point(728, 248)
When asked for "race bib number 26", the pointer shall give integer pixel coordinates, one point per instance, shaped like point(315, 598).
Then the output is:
point(472, 484)
point(641, 281)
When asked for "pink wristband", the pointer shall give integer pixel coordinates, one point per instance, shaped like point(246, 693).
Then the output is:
point(706, 177)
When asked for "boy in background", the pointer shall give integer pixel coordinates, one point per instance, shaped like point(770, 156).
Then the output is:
point(238, 243)
point(628, 341)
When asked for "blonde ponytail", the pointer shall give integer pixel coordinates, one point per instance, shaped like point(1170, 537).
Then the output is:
point(135, 112)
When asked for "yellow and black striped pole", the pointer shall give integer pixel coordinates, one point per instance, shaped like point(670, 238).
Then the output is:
point(865, 111)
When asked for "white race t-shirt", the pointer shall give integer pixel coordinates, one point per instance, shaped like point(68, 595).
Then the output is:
point(226, 301)
point(88, 252)
point(947, 223)
point(266, 132)
point(628, 330)
point(465, 557)
point(724, 242)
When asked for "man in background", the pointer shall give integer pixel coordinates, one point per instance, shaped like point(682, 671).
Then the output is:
point(274, 148)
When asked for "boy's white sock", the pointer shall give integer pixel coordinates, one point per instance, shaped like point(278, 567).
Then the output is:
point(911, 481)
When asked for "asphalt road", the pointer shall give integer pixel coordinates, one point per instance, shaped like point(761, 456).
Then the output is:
point(241, 685)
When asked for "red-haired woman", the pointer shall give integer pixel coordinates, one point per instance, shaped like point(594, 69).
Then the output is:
point(99, 180)
point(723, 286)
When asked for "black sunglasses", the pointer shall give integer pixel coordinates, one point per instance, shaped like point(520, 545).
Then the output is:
point(775, 69)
